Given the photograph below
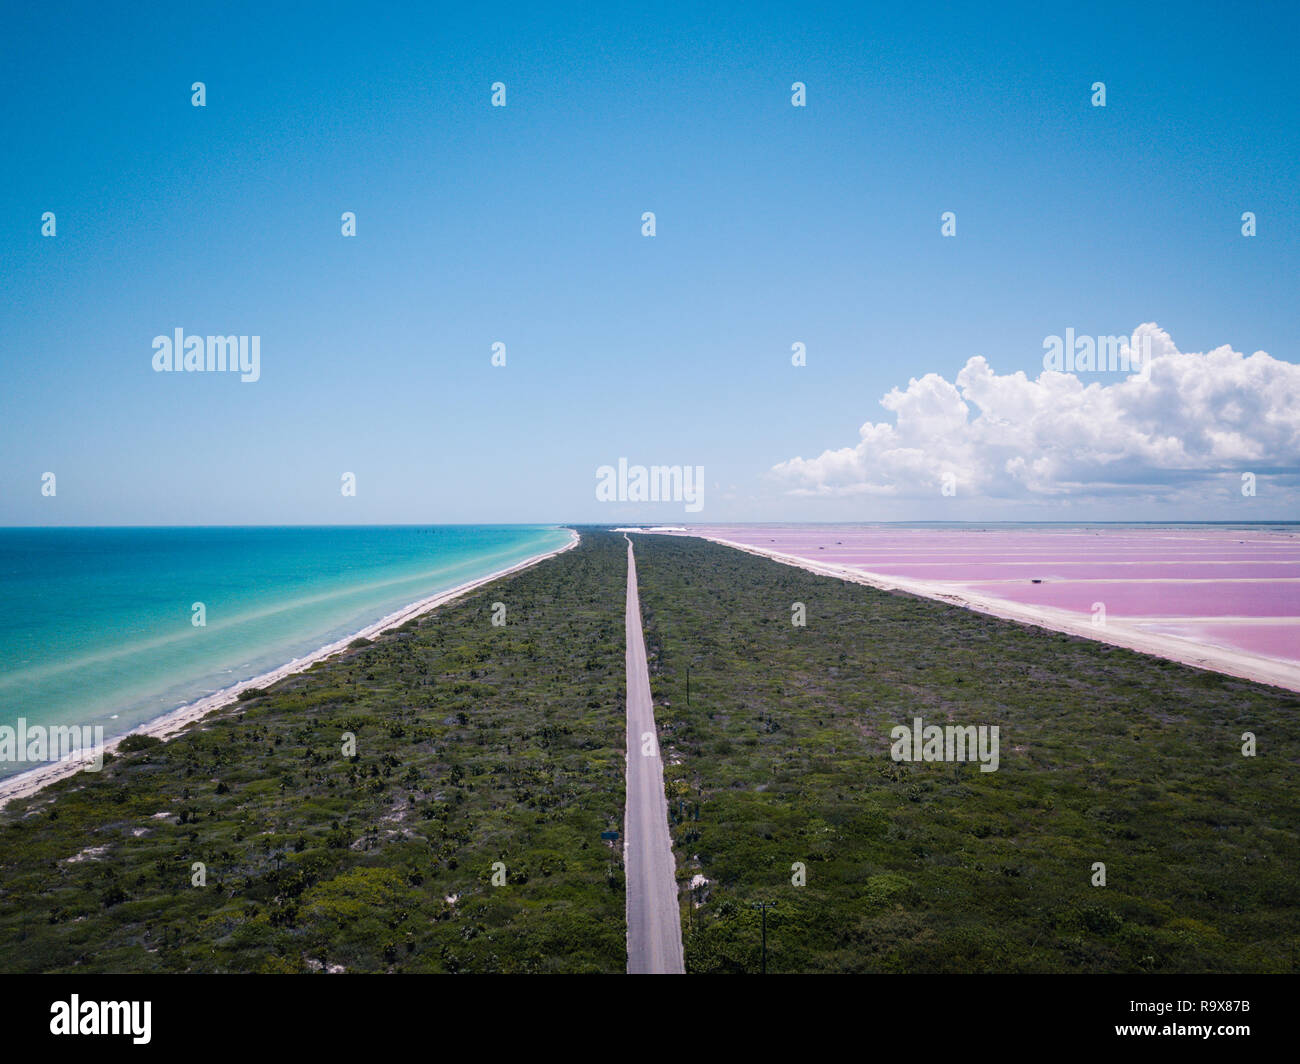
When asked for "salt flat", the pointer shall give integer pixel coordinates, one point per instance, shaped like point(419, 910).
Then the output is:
point(1226, 599)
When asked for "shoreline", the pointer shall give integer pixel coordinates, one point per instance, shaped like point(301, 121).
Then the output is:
point(27, 783)
point(1272, 672)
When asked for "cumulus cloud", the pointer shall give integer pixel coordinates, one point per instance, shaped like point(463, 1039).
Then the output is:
point(1197, 417)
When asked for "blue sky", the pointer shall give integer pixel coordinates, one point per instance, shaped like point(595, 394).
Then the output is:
point(521, 224)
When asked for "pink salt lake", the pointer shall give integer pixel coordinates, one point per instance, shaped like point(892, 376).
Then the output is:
point(1221, 587)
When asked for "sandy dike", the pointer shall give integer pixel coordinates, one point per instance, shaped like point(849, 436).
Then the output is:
point(25, 784)
point(1116, 632)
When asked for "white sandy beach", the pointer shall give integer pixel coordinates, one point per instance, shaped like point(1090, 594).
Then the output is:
point(169, 724)
point(1173, 648)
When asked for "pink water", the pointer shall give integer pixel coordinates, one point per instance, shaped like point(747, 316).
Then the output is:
point(1127, 599)
point(1270, 640)
point(1241, 587)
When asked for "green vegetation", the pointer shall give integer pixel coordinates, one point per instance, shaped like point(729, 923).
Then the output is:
point(474, 744)
point(477, 744)
point(783, 757)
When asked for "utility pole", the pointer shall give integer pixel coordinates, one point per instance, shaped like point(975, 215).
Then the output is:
point(763, 906)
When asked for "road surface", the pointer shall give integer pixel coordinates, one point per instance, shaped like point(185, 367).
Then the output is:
point(654, 926)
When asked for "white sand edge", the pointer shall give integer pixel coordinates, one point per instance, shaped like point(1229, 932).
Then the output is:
point(25, 784)
point(1237, 663)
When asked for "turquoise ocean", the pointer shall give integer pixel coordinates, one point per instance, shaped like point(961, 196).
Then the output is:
point(96, 623)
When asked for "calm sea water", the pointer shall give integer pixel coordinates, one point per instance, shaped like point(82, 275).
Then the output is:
point(95, 623)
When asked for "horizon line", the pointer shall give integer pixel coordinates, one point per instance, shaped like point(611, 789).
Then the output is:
point(657, 524)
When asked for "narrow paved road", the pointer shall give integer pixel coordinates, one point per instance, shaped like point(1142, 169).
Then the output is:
point(654, 927)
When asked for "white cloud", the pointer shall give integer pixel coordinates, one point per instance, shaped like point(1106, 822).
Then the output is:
point(1198, 417)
